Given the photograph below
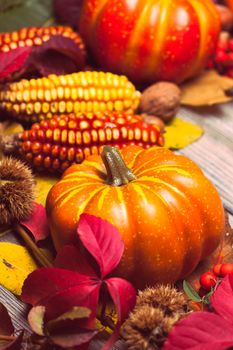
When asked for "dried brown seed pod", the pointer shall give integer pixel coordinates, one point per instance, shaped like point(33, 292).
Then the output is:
point(17, 195)
point(167, 298)
point(161, 100)
point(147, 328)
point(157, 310)
point(17, 191)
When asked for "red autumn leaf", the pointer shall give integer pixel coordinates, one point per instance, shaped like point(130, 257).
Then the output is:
point(54, 281)
point(74, 331)
point(13, 345)
point(12, 61)
point(124, 298)
point(200, 331)
point(6, 326)
point(68, 330)
point(36, 319)
point(59, 290)
point(75, 282)
point(37, 224)
point(81, 295)
point(7, 329)
point(72, 258)
point(222, 299)
point(102, 240)
point(68, 11)
point(59, 55)
point(75, 336)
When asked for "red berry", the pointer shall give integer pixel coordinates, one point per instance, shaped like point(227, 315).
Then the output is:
point(231, 44)
point(226, 269)
point(207, 280)
point(229, 73)
point(221, 57)
point(216, 270)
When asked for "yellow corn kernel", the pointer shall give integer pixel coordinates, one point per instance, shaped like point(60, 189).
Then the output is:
point(84, 92)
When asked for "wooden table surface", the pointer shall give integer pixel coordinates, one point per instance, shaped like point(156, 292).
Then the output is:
point(214, 154)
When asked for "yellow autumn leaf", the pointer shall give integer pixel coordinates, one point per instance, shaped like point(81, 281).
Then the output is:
point(180, 133)
point(15, 265)
point(12, 128)
point(43, 185)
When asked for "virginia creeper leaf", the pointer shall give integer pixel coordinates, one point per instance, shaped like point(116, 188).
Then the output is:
point(12, 61)
point(72, 337)
point(6, 326)
point(71, 257)
point(85, 295)
point(102, 240)
point(73, 283)
point(37, 223)
point(46, 282)
point(59, 290)
point(59, 55)
point(124, 297)
point(7, 329)
point(70, 329)
point(222, 299)
point(36, 319)
point(200, 331)
point(77, 312)
point(13, 345)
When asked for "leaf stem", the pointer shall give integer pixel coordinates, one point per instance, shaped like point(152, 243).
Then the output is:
point(40, 257)
point(106, 320)
point(7, 337)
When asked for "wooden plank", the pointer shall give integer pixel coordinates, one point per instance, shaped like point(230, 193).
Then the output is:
point(214, 151)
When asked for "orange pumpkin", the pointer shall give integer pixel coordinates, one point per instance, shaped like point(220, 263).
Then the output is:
point(169, 214)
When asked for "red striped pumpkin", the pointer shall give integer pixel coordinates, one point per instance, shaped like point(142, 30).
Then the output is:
point(150, 40)
point(169, 214)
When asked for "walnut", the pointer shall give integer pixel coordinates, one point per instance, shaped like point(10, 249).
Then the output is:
point(161, 100)
point(152, 119)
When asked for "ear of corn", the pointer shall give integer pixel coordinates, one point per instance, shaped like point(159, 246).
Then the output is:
point(36, 36)
point(37, 99)
point(57, 143)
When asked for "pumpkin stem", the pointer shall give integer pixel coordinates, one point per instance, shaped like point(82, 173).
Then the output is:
point(118, 173)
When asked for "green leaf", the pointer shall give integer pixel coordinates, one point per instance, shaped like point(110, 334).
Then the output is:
point(6, 5)
point(191, 293)
point(206, 298)
point(18, 14)
point(180, 133)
